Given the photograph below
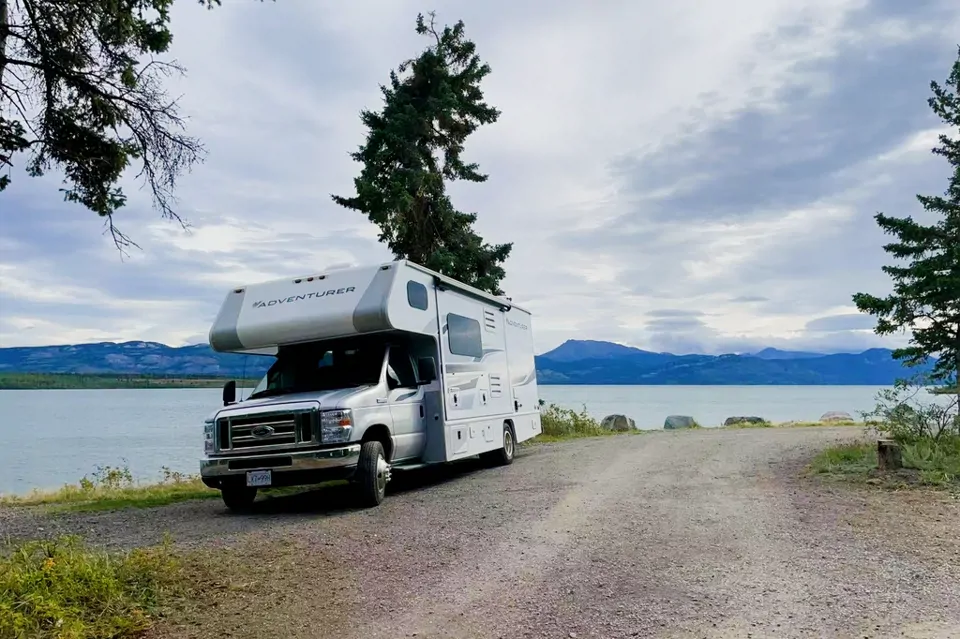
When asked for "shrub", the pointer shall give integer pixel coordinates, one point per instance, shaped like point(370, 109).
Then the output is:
point(565, 423)
point(59, 588)
point(901, 414)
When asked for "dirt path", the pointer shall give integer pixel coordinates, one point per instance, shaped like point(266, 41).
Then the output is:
point(690, 534)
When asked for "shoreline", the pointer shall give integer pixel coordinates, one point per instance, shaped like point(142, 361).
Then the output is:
point(113, 381)
point(134, 381)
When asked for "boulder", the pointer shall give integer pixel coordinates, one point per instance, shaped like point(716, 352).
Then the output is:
point(836, 416)
point(620, 423)
point(675, 422)
point(752, 419)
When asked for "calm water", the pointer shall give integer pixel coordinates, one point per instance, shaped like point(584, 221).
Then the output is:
point(51, 437)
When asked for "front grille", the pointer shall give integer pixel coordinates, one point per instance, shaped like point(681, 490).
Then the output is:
point(267, 431)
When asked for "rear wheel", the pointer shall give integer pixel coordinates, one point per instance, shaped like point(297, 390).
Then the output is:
point(373, 473)
point(238, 498)
point(503, 456)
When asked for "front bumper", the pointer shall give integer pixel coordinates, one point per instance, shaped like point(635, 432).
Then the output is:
point(309, 461)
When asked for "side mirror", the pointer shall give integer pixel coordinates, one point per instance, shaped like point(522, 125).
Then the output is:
point(426, 370)
point(229, 393)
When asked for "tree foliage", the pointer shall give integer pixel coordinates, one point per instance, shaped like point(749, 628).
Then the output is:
point(414, 147)
point(82, 90)
point(926, 281)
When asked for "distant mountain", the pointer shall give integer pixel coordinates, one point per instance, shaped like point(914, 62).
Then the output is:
point(769, 366)
point(573, 362)
point(774, 353)
point(146, 358)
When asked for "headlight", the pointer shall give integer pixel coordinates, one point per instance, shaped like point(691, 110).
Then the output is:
point(208, 428)
point(335, 426)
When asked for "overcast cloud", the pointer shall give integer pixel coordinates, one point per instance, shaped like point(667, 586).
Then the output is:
point(685, 176)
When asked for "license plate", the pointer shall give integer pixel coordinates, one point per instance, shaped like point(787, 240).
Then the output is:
point(259, 478)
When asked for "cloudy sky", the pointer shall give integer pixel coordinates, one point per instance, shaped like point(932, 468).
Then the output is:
point(688, 176)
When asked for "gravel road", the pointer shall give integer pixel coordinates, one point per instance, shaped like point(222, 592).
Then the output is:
point(687, 534)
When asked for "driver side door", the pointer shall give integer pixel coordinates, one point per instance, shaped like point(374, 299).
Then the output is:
point(406, 405)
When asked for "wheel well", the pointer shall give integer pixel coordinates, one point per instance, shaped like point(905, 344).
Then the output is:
point(380, 433)
point(513, 430)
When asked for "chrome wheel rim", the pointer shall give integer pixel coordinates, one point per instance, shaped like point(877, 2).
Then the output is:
point(508, 443)
point(383, 474)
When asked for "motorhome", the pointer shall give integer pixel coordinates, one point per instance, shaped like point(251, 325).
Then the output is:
point(374, 369)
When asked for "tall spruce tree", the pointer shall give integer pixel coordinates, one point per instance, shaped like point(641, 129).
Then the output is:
point(82, 90)
point(926, 284)
point(414, 146)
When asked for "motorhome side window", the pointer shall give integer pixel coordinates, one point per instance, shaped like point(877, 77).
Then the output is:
point(417, 295)
point(463, 335)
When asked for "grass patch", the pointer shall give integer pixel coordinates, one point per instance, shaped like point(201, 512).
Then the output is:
point(938, 462)
point(846, 460)
point(925, 463)
point(60, 588)
point(112, 488)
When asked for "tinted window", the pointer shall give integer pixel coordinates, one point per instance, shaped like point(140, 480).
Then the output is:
point(417, 295)
point(463, 334)
point(400, 368)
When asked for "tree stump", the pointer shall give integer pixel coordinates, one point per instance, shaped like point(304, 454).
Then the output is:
point(888, 455)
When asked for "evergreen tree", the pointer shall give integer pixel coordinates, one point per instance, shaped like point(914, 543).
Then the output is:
point(414, 146)
point(926, 283)
point(75, 95)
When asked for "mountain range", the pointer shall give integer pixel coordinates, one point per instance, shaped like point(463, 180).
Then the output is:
point(573, 362)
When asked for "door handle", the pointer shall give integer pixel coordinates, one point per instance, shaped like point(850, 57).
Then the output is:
point(421, 410)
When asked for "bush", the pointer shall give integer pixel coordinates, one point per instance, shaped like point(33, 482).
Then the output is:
point(928, 431)
point(901, 414)
point(60, 589)
point(937, 460)
point(564, 423)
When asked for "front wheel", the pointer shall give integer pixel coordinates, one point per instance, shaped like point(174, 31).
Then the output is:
point(373, 473)
point(503, 456)
point(238, 498)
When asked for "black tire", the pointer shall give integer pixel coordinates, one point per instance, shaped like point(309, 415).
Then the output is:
point(503, 456)
point(373, 473)
point(238, 498)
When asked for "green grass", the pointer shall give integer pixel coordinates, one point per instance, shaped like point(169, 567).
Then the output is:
point(41, 381)
point(112, 488)
point(925, 463)
point(937, 462)
point(561, 424)
point(856, 459)
point(61, 589)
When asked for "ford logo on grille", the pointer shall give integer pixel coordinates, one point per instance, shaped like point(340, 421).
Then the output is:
point(262, 431)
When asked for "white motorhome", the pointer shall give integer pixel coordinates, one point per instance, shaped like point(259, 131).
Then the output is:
point(376, 368)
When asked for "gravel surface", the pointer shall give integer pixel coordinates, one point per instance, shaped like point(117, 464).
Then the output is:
point(687, 534)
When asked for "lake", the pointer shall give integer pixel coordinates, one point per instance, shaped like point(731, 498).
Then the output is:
point(52, 437)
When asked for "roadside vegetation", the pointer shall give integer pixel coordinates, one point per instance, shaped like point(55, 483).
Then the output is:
point(112, 488)
point(60, 588)
point(560, 424)
point(925, 426)
point(48, 381)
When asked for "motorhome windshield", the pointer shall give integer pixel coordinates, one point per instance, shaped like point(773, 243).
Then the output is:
point(312, 367)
